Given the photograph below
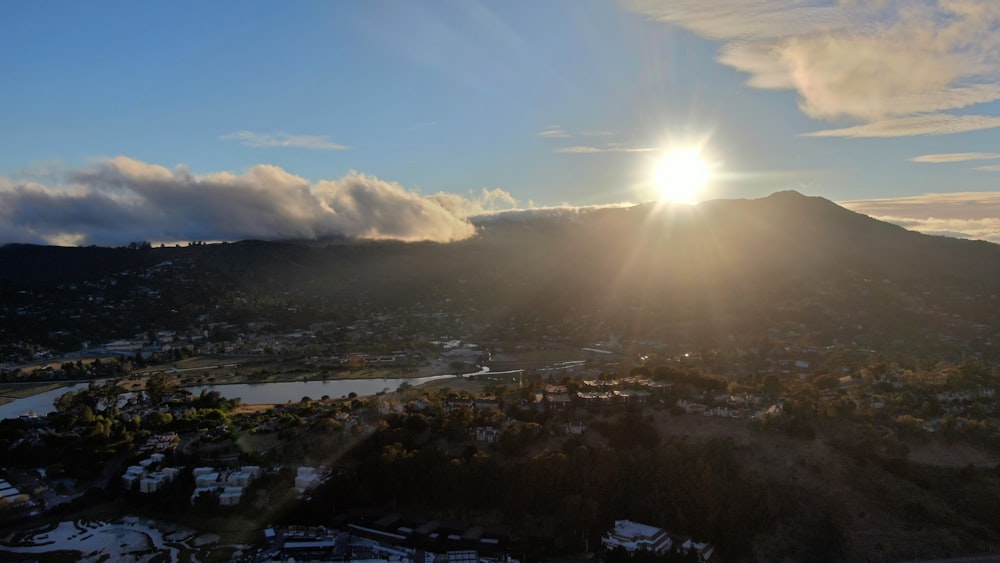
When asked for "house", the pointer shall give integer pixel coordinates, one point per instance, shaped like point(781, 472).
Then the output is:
point(230, 496)
point(556, 396)
point(704, 550)
point(239, 479)
point(151, 484)
point(452, 405)
point(599, 398)
point(309, 477)
point(690, 407)
point(634, 397)
point(575, 428)
point(129, 481)
point(632, 537)
point(206, 480)
point(488, 434)
point(487, 403)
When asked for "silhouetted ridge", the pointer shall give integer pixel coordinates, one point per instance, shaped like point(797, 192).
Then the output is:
point(718, 242)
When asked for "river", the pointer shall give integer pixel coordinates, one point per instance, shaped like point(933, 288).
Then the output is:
point(40, 404)
point(250, 393)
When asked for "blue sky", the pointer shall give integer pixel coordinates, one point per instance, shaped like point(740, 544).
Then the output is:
point(125, 121)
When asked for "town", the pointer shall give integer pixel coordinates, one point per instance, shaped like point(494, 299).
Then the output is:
point(358, 465)
point(350, 403)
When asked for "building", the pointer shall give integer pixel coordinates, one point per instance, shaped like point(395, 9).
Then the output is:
point(206, 480)
point(703, 550)
point(230, 496)
point(307, 478)
point(632, 537)
point(487, 434)
point(151, 484)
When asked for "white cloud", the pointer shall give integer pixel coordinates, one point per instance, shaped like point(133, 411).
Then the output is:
point(993, 168)
point(975, 229)
point(579, 150)
point(251, 139)
point(955, 157)
point(974, 215)
point(875, 62)
point(487, 201)
point(533, 212)
point(121, 200)
point(554, 132)
point(929, 124)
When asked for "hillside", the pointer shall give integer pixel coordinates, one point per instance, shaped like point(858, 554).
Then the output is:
point(700, 274)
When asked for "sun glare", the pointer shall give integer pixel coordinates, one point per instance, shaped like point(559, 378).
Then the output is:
point(680, 175)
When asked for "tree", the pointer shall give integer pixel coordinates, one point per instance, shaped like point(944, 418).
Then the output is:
point(157, 388)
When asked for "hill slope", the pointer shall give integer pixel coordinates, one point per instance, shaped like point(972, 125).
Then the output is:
point(698, 274)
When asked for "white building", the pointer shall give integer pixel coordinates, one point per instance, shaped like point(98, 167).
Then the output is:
point(206, 480)
point(253, 470)
point(230, 496)
point(239, 479)
point(151, 484)
point(306, 478)
point(633, 537)
point(487, 434)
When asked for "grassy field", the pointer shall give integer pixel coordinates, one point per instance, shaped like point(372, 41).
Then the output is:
point(224, 371)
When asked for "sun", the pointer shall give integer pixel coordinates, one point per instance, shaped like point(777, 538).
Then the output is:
point(680, 175)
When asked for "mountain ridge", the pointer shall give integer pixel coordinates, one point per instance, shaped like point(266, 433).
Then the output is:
point(667, 272)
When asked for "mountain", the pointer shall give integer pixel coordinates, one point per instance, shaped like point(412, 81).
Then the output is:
point(705, 274)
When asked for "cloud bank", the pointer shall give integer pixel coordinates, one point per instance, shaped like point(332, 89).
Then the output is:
point(972, 215)
point(894, 65)
point(120, 200)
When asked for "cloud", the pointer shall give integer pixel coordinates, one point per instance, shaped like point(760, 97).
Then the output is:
point(578, 150)
point(930, 124)
point(975, 229)
point(955, 157)
point(552, 212)
point(251, 139)
point(993, 168)
point(488, 201)
point(870, 61)
point(974, 215)
point(122, 200)
point(554, 132)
